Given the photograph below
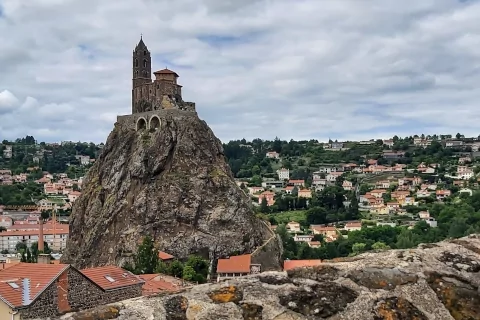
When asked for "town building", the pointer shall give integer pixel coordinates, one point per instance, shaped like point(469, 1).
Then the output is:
point(347, 185)
point(272, 155)
point(8, 152)
point(283, 174)
point(302, 238)
point(293, 227)
point(305, 193)
point(268, 196)
point(353, 226)
point(44, 290)
point(296, 183)
point(55, 235)
point(236, 266)
point(327, 169)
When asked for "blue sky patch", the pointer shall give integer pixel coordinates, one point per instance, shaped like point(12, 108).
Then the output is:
point(222, 41)
point(87, 51)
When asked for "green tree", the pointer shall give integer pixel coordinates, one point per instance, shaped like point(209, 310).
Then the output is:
point(379, 245)
point(146, 259)
point(405, 240)
point(264, 206)
point(21, 246)
point(188, 273)
point(29, 256)
point(175, 269)
point(200, 266)
point(358, 248)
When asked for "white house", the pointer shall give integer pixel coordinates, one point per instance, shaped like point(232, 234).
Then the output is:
point(272, 155)
point(303, 238)
point(347, 185)
point(293, 226)
point(283, 174)
point(431, 222)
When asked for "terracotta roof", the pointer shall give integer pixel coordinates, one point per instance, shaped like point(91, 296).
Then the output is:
point(33, 232)
point(325, 228)
point(154, 283)
point(292, 264)
point(40, 275)
point(165, 256)
point(166, 71)
point(296, 181)
point(235, 264)
point(111, 277)
point(353, 225)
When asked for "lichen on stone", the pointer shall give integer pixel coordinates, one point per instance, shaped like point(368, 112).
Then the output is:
point(226, 294)
point(397, 308)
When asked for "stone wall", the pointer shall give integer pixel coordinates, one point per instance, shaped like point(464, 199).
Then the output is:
point(154, 93)
point(44, 306)
point(131, 120)
point(84, 294)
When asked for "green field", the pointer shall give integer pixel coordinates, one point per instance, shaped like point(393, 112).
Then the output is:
point(287, 216)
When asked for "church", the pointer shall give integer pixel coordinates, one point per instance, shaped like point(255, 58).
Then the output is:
point(162, 93)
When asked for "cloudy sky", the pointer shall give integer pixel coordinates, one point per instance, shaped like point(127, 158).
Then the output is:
point(303, 69)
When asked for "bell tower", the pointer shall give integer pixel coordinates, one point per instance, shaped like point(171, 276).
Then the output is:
point(142, 67)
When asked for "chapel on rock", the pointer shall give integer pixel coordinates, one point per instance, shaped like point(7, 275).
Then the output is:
point(151, 97)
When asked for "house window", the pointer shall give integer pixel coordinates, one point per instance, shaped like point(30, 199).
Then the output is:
point(144, 63)
point(13, 285)
point(109, 278)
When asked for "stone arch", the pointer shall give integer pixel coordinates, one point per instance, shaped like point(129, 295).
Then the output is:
point(155, 123)
point(141, 124)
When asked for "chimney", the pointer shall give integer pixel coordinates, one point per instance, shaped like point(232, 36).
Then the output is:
point(40, 236)
point(26, 292)
point(43, 258)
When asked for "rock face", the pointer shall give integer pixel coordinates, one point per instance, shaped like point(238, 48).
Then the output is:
point(172, 183)
point(435, 282)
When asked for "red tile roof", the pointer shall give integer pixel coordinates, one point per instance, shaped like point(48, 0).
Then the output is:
point(120, 277)
point(235, 264)
point(40, 275)
point(165, 71)
point(292, 264)
point(154, 283)
point(165, 256)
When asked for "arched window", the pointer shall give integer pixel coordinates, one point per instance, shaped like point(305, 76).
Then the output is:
point(144, 63)
point(136, 62)
point(144, 53)
point(136, 73)
point(145, 74)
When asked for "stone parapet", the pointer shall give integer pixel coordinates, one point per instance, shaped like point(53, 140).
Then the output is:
point(148, 120)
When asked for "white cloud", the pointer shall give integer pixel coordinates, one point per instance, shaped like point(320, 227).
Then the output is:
point(7, 101)
point(255, 68)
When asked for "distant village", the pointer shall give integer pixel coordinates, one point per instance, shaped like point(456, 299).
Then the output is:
point(392, 186)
